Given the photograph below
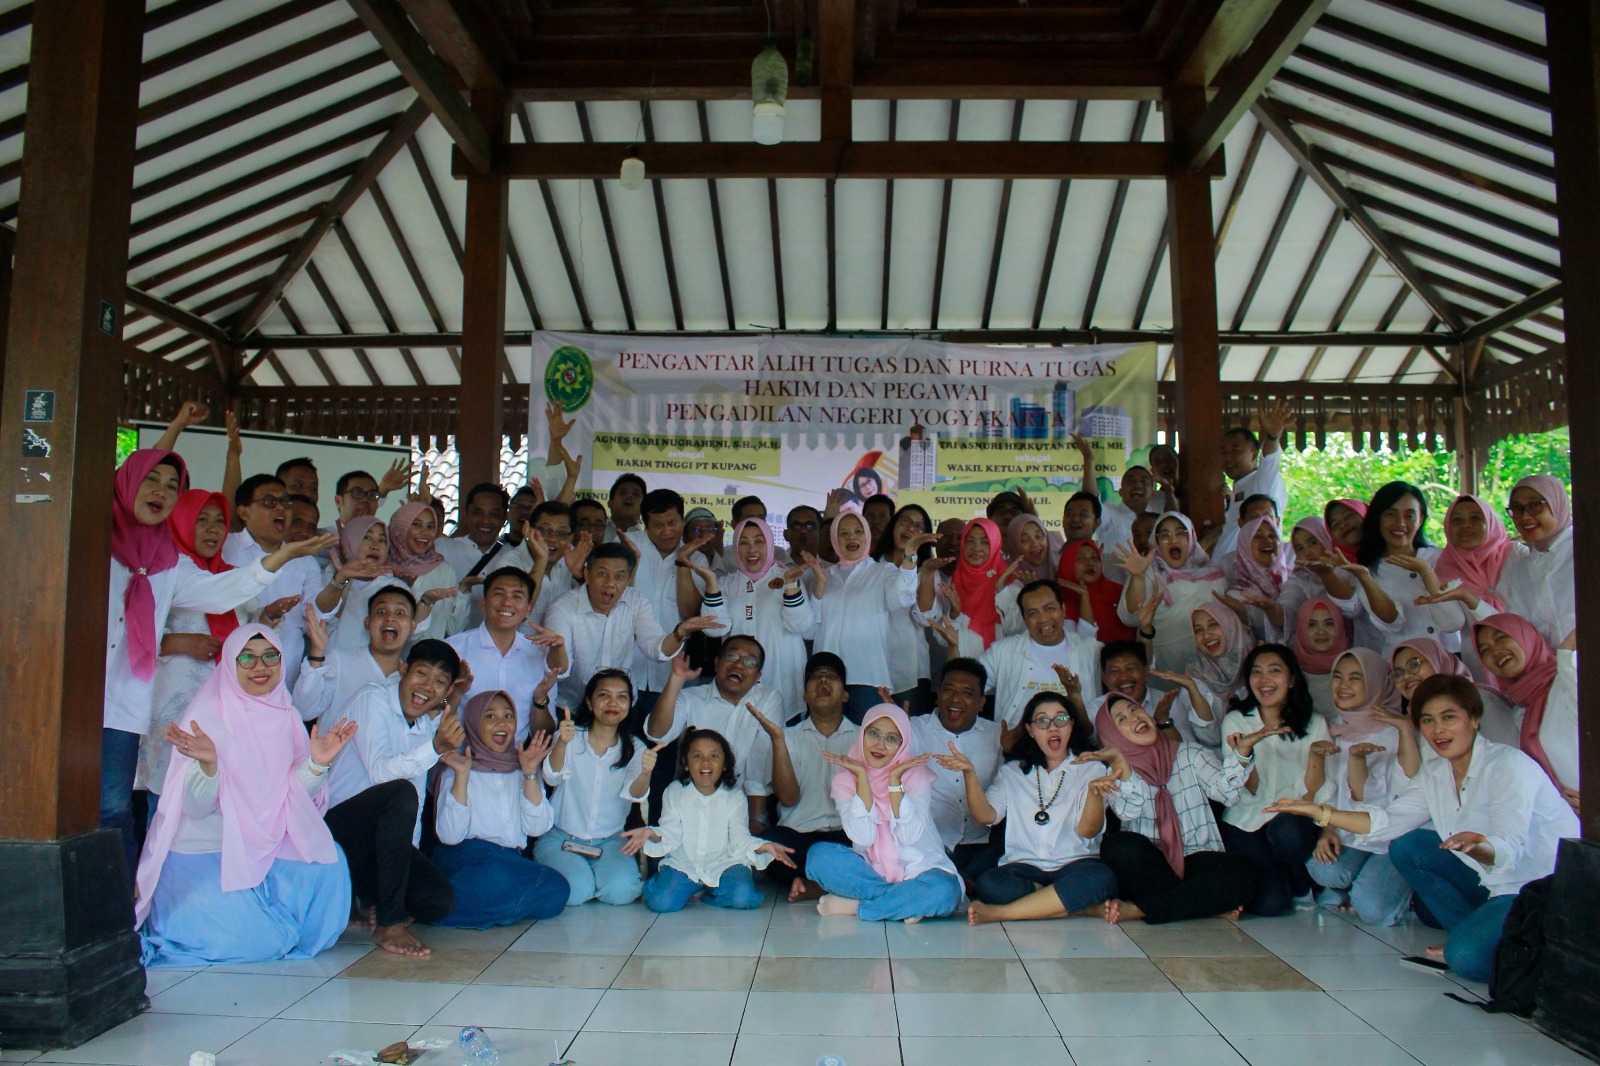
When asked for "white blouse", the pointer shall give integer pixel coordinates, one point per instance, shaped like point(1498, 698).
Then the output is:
point(854, 611)
point(916, 838)
point(702, 836)
point(1280, 764)
point(1174, 643)
point(1384, 780)
point(1539, 586)
point(749, 608)
point(1558, 730)
point(1441, 621)
point(1056, 843)
point(200, 832)
point(591, 799)
point(497, 810)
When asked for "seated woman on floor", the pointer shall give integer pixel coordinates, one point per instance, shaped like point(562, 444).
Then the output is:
point(1473, 827)
point(239, 866)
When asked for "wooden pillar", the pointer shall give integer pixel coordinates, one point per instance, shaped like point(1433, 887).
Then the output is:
point(69, 959)
point(1572, 28)
point(1471, 452)
point(483, 316)
point(1196, 359)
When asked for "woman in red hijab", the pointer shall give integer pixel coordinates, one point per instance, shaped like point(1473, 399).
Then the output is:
point(1089, 594)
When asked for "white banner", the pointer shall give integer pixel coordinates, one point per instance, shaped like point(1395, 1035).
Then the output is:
point(788, 418)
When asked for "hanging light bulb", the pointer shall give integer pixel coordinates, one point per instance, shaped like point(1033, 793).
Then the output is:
point(632, 175)
point(769, 88)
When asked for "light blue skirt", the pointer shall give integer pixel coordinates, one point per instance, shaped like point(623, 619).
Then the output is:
point(297, 911)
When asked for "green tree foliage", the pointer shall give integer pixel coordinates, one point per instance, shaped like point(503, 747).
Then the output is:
point(1318, 475)
point(127, 442)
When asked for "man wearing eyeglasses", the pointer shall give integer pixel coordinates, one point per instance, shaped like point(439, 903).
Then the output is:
point(263, 506)
point(727, 705)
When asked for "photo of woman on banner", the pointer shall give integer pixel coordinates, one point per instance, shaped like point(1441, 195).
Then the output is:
point(864, 482)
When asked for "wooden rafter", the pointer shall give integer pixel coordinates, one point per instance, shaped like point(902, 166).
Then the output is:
point(716, 223)
point(1343, 309)
point(1053, 239)
point(659, 197)
point(1471, 73)
point(1331, 231)
point(944, 222)
point(399, 131)
point(1119, 199)
point(358, 262)
point(320, 284)
point(264, 257)
point(612, 246)
point(1467, 27)
point(1387, 246)
point(1279, 224)
point(1525, 308)
point(1384, 321)
point(1473, 267)
point(1438, 198)
point(1473, 238)
point(1241, 181)
point(427, 74)
point(233, 218)
point(1004, 216)
point(777, 251)
point(469, 50)
point(403, 248)
point(222, 251)
point(175, 316)
point(430, 188)
point(888, 219)
point(287, 310)
point(559, 232)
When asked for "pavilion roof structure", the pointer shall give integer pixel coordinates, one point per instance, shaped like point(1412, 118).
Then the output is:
point(1384, 193)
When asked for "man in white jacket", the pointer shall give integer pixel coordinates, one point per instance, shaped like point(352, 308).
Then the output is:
point(1052, 656)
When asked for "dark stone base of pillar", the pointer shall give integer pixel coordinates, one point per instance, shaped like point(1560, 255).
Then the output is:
point(69, 959)
point(1569, 987)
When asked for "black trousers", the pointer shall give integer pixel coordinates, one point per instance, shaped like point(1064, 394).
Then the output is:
point(1213, 882)
point(777, 872)
point(974, 860)
point(1279, 851)
point(374, 829)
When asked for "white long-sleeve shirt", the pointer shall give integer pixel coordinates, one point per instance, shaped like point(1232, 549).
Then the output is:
point(1264, 480)
point(1384, 780)
point(128, 698)
point(1199, 776)
point(595, 640)
point(701, 835)
point(200, 832)
point(655, 579)
point(1019, 668)
point(704, 707)
point(387, 746)
point(1056, 843)
point(1441, 621)
point(855, 607)
point(1280, 764)
point(1540, 586)
point(916, 838)
point(462, 553)
point(1174, 648)
point(324, 691)
point(1558, 730)
point(1506, 796)
point(497, 810)
point(948, 796)
point(591, 800)
point(750, 609)
point(517, 671)
point(298, 577)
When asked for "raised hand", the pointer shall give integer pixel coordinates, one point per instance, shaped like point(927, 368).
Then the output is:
point(1274, 418)
point(884, 695)
point(1008, 574)
point(1112, 758)
point(701, 624)
point(947, 630)
point(534, 751)
point(634, 840)
point(195, 744)
point(837, 498)
point(579, 552)
point(819, 573)
point(1460, 594)
point(686, 555)
point(277, 610)
point(537, 548)
point(301, 548)
point(1131, 559)
point(462, 684)
point(361, 571)
point(648, 759)
point(459, 761)
point(956, 761)
point(451, 735)
point(780, 852)
point(933, 564)
point(316, 633)
point(1245, 743)
point(1399, 721)
point(572, 463)
point(423, 494)
point(567, 730)
point(1414, 563)
point(548, 639)
point(901, 769)
point(325, 747)
point(768, 726)
point(916, 542)
point(1147, 611)
point(1288, 805)
point(681, 668)
point(1324, 748)
point(844, 762)
point(191, 413)
point(436, 595)
point(1163, 715)
point(235, 444)
point(1105, 787)
point(1234, 604)
point(546, 685)
point(1027, 506)
point(1362, 750)
point(1071, 683)
point(554, 418)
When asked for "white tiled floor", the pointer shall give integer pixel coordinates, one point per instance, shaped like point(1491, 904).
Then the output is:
point(781, 987)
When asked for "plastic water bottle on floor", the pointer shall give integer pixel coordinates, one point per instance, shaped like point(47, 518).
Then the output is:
point(476, 1047)
point(830, 1060)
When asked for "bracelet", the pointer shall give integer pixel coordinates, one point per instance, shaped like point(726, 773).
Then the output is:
point(1151, 635)
point(317, 768)
point(545, 706)
point(336, 583)
point(896, 788)
point(1325, 817)
point(531, 777)
point(316, 658)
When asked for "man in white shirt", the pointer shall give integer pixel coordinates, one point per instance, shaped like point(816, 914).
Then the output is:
point(331, 679)
point(589, 516)
point(655, 577)
point(357, 494)
point(723, 706)
point(375, 789)
point(1041, 659)
point(802, 780)
point(1134, 496)
point(974, 846)
point(1125, 669)
point(625, 498)
point(604, 622)
point(262, 504)
point(1252, 467)
point(563, 563)
point(502, 658)
point(477, 549)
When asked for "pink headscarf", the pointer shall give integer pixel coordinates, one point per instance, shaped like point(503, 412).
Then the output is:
point(1198, 565)
point(144, 550)
point(851, 508)
point(1311, 660)
point(1554, 494)
point(1532, 690)
point(772, 548)
point(1153, 763)
point(406, 563)
point(1222, 674)
point(975, 584)
point(1381, 694)
point(1013, 542)
point(266, 813)
point(1437, 655)
point(1477, 568)
point(484, 758)
point(1248, 574)
point(882, 853)
point(353, 533)
point(1318, 528)
point(1359, 508)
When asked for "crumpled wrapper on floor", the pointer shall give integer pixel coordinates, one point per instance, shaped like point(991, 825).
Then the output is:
point(413, 1049)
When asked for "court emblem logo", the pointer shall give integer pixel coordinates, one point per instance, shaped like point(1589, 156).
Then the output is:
point(569, 377)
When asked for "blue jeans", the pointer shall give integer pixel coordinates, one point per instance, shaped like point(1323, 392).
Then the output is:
point(612, 878)
point(671, 889)
point(1079, 884)
point(119, 763)
point(1378, 891)
point(495, 885)
point(1454, 894)
point(843, 871)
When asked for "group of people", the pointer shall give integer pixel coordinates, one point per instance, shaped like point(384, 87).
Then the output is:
point(1131, 719)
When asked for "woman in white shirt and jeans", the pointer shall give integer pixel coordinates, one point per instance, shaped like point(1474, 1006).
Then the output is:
point(1469, 831)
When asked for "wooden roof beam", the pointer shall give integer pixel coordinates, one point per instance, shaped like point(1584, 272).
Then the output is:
point(470, 50)
point(836, 48)
point(173, 315)
point(1232, 26)
point(1246, 78)
point(941, 160)
point(1524, 308)
point(427, 74)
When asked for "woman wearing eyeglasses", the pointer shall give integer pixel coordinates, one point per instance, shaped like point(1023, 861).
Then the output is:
point(1414, 661)
point(240, 866)
point(1054, 808)
point(1537, 581)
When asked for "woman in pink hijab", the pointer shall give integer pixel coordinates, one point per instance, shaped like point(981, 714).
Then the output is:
point(896, 868)
point(239, 866)
point(1537, 580)
point(1542, 682)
